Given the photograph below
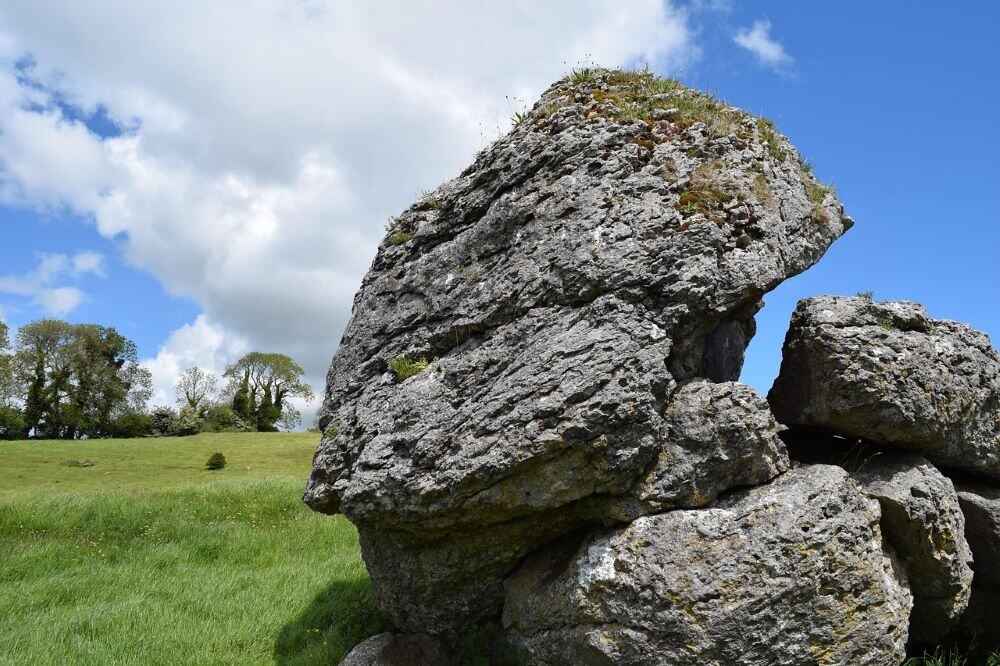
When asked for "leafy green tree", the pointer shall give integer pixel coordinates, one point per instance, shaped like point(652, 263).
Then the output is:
point(42, 364)
point(11, 419)
point(80, 380)
point(262, 385)
point(6, 366)
point(131, 424)
point(107, 381)
point(196, 389)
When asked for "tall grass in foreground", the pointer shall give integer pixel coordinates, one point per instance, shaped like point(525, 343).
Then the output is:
point(956, 655)
point(236, 571)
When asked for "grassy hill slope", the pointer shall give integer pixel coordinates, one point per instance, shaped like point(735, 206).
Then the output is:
point(144, 557)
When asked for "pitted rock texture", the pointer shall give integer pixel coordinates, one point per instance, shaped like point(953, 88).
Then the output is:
point(922, 522)
point(888, 373)
point(610, 249)
point(793, 572)
point(716, 437)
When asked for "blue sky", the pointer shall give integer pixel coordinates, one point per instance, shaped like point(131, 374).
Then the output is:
point(896, 106)
point(250, 183)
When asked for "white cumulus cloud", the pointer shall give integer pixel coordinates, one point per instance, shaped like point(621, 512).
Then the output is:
point(264, 143)
point(41, 284)
point(767, 50)
point(201, 343)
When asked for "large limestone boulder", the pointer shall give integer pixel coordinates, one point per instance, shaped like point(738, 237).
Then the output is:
point(888, 373)
point(922, 522)
point(514, 351)
point(794, 572)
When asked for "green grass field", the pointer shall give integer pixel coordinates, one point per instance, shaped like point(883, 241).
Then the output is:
point(144, 557)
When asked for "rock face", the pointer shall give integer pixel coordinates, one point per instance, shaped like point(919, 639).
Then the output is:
point(519, 356)
point(389, 649)
point(715, 437)
point(922, 522)
point(888, 373)
point(980, 503)
point(793, 572)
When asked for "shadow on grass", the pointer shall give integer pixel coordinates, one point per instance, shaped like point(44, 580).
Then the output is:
point(337, 619)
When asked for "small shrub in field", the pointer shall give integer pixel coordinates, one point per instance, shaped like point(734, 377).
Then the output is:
point(867, 295)
point(216, 461)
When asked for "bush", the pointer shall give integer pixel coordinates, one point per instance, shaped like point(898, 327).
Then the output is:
point(132, 424)
point(11, 423)
point(188, 422)
point(164, 421)
point(216, 461)
point(222, 418)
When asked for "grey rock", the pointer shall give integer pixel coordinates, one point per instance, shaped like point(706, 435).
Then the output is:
point(888, 373)
point(389, 649)
point(567, 293)
point(793, 572)
point(715, 437)
point(980, 503)
point(923, 523)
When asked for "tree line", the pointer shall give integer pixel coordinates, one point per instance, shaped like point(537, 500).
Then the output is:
point(74, 381)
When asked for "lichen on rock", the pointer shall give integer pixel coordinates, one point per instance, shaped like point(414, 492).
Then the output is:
point(888, 373)
point(608, 251)
point(793, 572)
point(922, 522)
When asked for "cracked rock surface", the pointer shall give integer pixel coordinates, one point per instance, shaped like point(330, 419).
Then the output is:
point(922, 522)
point(890, 374)
point(793, 572)
point(563, 292)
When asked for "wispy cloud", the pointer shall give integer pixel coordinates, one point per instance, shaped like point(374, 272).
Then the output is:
point(88, 262)
point(41, 284)
point(768, 51)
